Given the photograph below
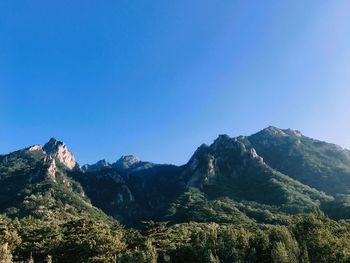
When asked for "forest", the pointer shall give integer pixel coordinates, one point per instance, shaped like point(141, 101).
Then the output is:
point(311, 238)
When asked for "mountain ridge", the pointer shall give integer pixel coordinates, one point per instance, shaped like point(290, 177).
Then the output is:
point(276, 170)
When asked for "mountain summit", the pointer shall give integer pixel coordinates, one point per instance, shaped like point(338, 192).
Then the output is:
point(58, 150)
point(100, 165)
point(131, 163)
point(126, 162)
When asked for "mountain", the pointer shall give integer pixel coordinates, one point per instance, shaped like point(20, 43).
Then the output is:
point(58, 150)
point(131, 163)
point(100, 165)
point(321, 165)
point(126, 163)
point(231, 171)
point(230, 167)
point(264, 177)
point(35, 182)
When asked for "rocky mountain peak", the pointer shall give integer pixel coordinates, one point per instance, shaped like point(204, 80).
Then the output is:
point(223, 137)
point(223, 141)
point(226, 153)
point(293, 132)
point(126, 161)
point(52, 145)
point(131, 159)
point(100, 165)
point(271, 130)
point(103, 163)
point(58, 150)
point(227, 143)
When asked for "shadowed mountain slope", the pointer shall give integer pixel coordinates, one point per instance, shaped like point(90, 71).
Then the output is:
point(262, 177)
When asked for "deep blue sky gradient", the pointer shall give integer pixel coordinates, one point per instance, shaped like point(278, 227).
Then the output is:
point(158, 78)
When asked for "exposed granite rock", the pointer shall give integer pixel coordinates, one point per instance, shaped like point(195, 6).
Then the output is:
point(225, 154)
point(51, 168)
point(59, 151)
point(274, 131)
point(293, 132)
point(126, 162)
point(33, 148)
point(131, 163)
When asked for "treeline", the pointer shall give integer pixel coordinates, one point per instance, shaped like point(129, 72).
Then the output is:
point(312, 238)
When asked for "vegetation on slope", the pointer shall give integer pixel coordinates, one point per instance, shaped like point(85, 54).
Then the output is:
point(245, 199)
point(312, 238)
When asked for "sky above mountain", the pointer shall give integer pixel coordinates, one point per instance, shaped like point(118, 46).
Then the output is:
point(157, 79)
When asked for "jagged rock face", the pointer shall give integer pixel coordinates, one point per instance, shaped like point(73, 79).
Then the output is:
point(100, 165)
point(126, 162)
point(51, 167)
point(131, 163)
point(227, 145)
point(293, 132)
point(201, 167)
point(276, 132)
point(59, 151)
point(225, 156)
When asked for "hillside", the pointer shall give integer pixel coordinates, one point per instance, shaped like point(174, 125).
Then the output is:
point(269, 181)
point(34, 182)
point(265, 177)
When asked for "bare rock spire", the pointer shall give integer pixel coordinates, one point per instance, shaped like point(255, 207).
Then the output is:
point(59, 151)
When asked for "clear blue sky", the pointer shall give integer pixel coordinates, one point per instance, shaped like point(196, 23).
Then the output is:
point(158, 78)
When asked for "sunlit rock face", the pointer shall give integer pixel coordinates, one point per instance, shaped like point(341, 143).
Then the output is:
point(59, 151)
point(226, 157)
point(126, 162)
point(51, 168)
point(131, 163)
point(33, 148)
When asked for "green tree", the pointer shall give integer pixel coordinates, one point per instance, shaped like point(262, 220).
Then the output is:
point(90, 241)
point(279, 253)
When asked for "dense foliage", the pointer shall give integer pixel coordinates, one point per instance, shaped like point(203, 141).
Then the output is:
point(312, 238)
